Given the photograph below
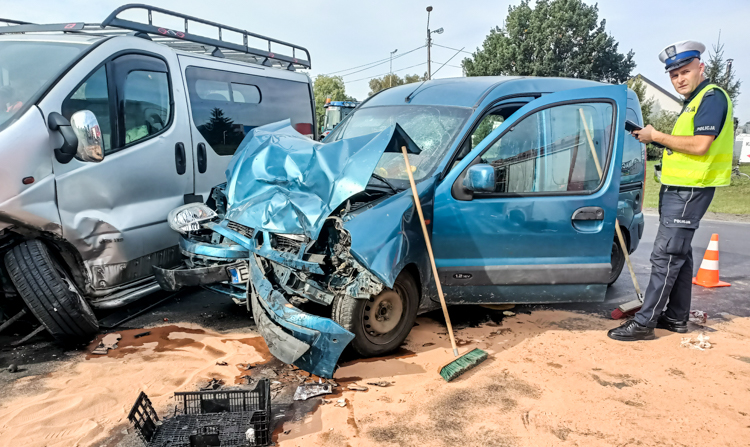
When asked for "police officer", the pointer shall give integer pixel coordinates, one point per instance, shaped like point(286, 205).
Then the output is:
point(698, 159)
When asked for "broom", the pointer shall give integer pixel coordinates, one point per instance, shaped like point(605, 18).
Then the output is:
point(472, 358)
point(631, 307)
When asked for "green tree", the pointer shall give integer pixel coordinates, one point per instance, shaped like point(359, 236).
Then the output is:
point(663, 122)
point(647, 105)
point(717, 72)
point(328, 87)
point(555, 38)
point(393, 80)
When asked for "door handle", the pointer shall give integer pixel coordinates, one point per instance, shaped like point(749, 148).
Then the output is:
point(202, 159)
point(588, 213)
point(180, 158)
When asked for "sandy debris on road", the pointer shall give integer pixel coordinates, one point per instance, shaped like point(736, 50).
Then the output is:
point(85, 400)
point(553, 378)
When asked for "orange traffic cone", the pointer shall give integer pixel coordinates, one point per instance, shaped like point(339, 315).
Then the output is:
point(708, 274)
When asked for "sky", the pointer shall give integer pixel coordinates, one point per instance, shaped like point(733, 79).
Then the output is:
point(342, 34)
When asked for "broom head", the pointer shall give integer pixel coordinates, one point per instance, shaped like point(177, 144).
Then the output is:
point(462, 364)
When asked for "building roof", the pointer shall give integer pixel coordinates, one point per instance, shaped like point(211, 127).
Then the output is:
point(660, 88)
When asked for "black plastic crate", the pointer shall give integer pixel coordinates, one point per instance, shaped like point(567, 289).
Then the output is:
point(203, 418)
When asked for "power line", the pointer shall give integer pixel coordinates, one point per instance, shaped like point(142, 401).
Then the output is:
point(383, 74)
point(386, 61)
point(454, 49)
point(372, 64)
point(456, 66)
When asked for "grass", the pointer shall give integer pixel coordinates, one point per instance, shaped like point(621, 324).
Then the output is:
point(734, 199)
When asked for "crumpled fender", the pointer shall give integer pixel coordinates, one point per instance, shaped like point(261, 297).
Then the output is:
point(396, 240)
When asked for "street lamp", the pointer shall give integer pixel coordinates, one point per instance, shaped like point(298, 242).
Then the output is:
point(429, 41)
point(390, 70)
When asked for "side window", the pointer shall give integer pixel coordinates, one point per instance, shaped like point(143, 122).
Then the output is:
point(226, 105)
point(488, 124)
point(93, 95)
point(549, 151)
point(146, 104)
point(632, 154)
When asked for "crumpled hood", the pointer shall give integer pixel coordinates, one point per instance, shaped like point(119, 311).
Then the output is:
point(284, 182)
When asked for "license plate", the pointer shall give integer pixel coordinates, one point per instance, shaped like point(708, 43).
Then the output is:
point(239, 274)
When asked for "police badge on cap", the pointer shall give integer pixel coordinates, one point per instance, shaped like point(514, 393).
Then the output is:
point(681, 53)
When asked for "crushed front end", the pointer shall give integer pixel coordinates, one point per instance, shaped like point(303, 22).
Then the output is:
point(276, 241)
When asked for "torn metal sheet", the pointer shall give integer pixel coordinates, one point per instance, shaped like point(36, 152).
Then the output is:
point(310, 342)
point(282, 182)
point(308, 390)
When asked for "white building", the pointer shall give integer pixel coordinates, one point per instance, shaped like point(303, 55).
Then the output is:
point(663, 99)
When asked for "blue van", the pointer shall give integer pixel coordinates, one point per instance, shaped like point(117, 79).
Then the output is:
point(521, 181)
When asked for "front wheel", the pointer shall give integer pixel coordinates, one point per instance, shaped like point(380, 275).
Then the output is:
point(49, 293)
point(381, 323)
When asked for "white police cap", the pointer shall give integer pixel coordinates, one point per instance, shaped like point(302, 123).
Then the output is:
point(681, 53)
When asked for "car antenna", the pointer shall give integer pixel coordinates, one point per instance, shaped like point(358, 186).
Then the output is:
point(408, 97)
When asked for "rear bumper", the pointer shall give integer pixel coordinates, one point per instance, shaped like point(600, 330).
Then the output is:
point(310, 342)
point(636, 231)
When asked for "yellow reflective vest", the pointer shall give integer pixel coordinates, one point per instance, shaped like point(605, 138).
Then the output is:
point(714, 168)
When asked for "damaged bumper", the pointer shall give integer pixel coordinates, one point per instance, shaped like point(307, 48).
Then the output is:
point(175, 279)
point(310, 342)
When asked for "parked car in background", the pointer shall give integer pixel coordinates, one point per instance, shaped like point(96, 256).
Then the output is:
point(507, 173)
point(106, 128)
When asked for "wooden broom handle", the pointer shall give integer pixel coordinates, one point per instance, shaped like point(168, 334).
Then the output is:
point(429, 251)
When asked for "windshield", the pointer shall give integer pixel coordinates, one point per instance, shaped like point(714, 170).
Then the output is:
point(27, 68)
point(433, 128)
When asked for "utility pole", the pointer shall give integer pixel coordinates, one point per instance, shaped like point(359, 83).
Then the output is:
point(390, 70)
point(429, 43)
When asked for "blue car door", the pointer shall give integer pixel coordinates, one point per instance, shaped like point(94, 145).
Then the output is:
point(544, 232)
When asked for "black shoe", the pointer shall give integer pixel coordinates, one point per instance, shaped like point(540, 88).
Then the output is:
point(631, 330)
point(670, 324)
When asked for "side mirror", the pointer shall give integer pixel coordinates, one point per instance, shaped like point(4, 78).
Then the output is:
point(67, 151)
point(86, 128)
point(480, 178)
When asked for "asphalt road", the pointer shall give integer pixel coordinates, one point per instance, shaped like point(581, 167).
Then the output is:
point(734, 266)
point(216, 312)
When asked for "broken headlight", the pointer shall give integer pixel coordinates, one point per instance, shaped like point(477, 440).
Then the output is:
point(189, 217)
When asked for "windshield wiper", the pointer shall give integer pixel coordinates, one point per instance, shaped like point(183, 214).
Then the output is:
point(393, 188)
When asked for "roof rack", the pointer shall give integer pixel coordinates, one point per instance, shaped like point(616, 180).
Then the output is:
point(179, 39)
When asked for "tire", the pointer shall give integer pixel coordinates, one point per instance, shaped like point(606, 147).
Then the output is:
point(618, 262)
point(50, 294)
point(355, 314)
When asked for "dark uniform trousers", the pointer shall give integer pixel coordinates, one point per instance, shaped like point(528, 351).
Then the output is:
point(680, 211)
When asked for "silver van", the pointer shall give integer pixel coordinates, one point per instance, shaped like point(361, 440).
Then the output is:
point(106, 128)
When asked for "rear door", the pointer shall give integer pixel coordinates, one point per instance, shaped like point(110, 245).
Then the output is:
point(227, 100)
point(545, 233)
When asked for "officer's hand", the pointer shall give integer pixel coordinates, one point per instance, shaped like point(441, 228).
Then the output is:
point(645, 135)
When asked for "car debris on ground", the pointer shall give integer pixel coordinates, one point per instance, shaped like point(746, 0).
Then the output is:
point(698, 317)
point(308, 390)
point(355, 387)
point(700, 342)
point(382, 383)
point(213, 384)
point(108, 342)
